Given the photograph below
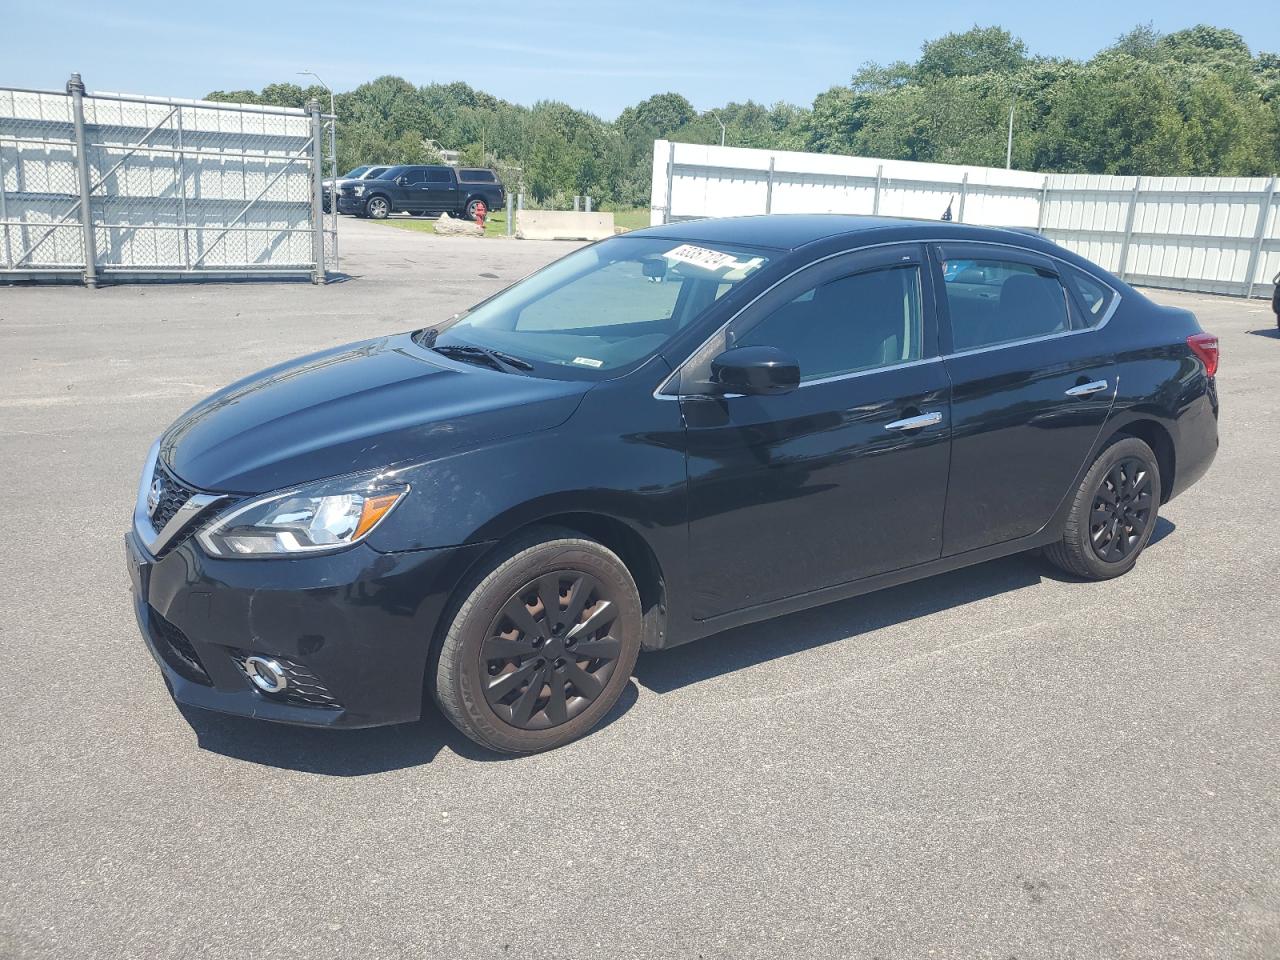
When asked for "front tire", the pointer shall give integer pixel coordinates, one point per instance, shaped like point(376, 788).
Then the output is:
point(1113, 513)
point(542, 645)
point(377, 208)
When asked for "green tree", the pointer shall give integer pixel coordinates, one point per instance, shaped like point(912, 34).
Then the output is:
point(1195, 101)
point(978, 51)
point(657, 117)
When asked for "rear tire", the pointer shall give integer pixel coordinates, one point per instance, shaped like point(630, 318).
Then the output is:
point(1113, 513)
point(469, 211)
point(517, 680)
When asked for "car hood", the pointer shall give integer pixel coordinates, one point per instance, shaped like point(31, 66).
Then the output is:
point(358, 407)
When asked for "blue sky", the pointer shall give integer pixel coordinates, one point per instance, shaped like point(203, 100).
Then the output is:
point(599, 55)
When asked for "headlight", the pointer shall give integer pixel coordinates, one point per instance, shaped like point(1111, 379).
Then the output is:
point(358, 189)
point(316, 518)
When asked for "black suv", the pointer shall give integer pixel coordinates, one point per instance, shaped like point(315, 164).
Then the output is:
point(421, 189)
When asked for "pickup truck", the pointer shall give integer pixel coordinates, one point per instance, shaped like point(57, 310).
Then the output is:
point(359, 173)
point(421, 190)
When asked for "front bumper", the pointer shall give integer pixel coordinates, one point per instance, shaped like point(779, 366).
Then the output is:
point(353, 629)
point(349, 204)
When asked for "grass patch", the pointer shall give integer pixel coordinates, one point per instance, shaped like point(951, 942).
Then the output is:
point(633, 218)
point(495, 225)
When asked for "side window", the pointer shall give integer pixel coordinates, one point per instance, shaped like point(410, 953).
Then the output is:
point(438, 175)
point(999, 301)
point(1095, 295)
point(858, 322)
point(415, 175)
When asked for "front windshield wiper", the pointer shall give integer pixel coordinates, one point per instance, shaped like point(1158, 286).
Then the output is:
point(493, 358)
point(471, 354)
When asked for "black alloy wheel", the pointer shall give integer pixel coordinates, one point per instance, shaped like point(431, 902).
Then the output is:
point(1112, 513)
point(549, 653)
point(1121, 510)
point(541, 644)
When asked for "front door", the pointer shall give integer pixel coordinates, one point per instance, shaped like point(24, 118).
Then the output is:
point(413, 193)
point(843, 478)
point(1031, 389)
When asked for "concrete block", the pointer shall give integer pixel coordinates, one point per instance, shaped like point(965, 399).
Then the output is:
point(563, 225)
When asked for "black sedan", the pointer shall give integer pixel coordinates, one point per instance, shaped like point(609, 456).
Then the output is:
point(658, 437)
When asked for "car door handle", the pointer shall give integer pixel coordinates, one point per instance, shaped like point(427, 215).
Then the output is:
point(1088, 389)
point(915, 423)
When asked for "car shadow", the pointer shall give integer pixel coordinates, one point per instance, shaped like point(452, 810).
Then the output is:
point(754, 644)
point(356, 753)
point(347, 753)
point(1272, 333)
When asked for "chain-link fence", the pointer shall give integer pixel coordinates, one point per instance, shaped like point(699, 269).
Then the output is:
point(127, 187)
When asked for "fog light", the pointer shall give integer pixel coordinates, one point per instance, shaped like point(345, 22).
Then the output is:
point(266, 674)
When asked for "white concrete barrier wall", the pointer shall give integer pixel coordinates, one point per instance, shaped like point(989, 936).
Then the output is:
point(1216, 234)
point(563, 225)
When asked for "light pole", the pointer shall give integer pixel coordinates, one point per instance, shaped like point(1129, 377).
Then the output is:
point(333, 160)
point(719, 121)
point(1008, 153)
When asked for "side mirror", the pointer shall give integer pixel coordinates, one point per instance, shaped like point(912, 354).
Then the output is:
point(401, 181)
point(755, 371)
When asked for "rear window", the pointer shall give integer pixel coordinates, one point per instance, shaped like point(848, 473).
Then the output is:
point(1094, 295)
point(1001, 301)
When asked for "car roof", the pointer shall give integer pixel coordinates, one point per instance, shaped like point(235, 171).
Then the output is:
point(789, 231)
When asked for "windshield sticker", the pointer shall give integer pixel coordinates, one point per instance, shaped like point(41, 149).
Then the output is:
point(589, 362)
point(702, 257)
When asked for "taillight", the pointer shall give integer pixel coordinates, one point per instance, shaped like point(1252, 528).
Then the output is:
point(1205, 346)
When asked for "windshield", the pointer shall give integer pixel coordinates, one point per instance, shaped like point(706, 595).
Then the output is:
point(353, 174)
point(371, 172)
point(605, 306)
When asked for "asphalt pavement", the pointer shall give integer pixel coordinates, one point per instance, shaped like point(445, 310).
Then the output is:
point(997, 762)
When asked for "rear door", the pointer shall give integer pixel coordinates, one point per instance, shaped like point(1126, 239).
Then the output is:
point(442, 190)
point(844, 477)
point(1032, 385)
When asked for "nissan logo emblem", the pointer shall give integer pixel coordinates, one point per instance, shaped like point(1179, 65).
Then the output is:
point(154, 495)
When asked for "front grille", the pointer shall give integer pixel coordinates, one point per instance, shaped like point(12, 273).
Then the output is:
point(177, 650)
point(174, 493)
point(304, 689)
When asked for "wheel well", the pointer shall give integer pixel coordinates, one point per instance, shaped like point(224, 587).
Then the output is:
point(1155, 436)
point(638, 557)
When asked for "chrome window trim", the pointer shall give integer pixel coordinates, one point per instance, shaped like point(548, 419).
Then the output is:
point(674, 376)
point(862, 373)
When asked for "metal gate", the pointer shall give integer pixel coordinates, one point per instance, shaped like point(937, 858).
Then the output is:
point(107, 186)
